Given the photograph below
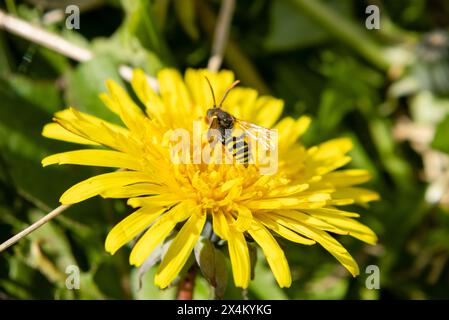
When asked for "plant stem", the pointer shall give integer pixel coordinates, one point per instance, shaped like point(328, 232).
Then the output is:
point(221, 34)
point(40, 36)
point(33, 227)
point(56, 43)
point(234, 56)
point(345, 30)
point(186, 286)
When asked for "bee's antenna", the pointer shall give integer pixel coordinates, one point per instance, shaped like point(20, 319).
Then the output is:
point(236, 82)
point(211, 90)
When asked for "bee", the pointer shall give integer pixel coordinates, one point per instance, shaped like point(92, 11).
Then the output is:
point(225, 123)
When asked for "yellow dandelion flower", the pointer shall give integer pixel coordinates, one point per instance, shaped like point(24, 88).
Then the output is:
point(299, 202)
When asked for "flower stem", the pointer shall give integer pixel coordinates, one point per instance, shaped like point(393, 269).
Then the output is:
point(345, 30)
point(186, 286)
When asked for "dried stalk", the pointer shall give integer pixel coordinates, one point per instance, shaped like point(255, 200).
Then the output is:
point(221, 34)
point(56, 43)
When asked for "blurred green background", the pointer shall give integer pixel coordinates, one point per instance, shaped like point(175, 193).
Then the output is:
point(387, 89)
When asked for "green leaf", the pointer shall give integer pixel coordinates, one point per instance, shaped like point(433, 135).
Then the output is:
point(128, 50)
point(102, 279)
point(149, 290)
point(201, 291)
point(15, 290)
point(325, 285)
point(88, 288)
point(26, 106)
point(53, 242)
point(441, 138)
point(5, 56)
point(212, 264)
point(332, 110)
point(140, 23)
point(40, 93)
point(264, 286)
point(151, 261)
point(160, 8)
point(290, 29)
point(88, 81)
point(252, 249)
point(185, 10)
point(205, 258)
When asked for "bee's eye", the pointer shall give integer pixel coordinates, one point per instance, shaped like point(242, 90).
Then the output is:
point(211, 113)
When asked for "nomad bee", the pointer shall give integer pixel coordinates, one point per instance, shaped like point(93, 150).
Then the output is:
point(225, 123)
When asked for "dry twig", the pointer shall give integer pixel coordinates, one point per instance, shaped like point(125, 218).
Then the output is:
point(221, 34)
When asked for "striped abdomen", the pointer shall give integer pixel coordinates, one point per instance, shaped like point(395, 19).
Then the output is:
point(239, 148)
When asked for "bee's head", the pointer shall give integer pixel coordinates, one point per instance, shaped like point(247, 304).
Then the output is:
point(212, 113)
point(215, 111)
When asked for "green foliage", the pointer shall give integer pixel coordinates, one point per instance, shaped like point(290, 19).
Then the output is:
point(284, 18)
point(86, 83)
point(319, 58)
point(441, 138)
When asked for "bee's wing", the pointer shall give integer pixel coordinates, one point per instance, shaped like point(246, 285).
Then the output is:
point(257, 133)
